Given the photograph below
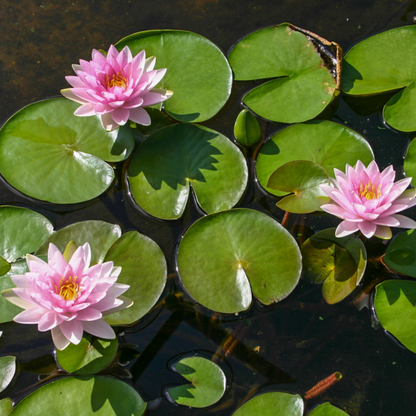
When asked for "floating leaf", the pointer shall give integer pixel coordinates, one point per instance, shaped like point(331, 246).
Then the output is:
point(305, 85)
point(63, 157)
point(302, 177)
point(224, 257)
point(197, 71)
point(401, 253)
point(325, 143)
point(272, 404)
point(143, 268)
point(247, 131)
point(338, 263)
point(385, 62)
point(207, 383)
point(99, 234)
point(326, 409)
point(7, 371)
point(172, 159)
point(410, 162)
point(6, 406)
point(90, 356)
point(86, 396)
point(4, 266)
point(395, 305)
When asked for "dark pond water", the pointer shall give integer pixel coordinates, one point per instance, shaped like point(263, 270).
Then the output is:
point(299, 341)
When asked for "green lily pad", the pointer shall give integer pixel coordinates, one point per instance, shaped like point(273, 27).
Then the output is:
point(63, 157)
point(410, 162)
point(401, 253)
point(224, 257)
point(272, 404)
point(172, 159)
point(302, 177)
point(99, 234)
point(386, 62)
point(329, 145)
point(338, 263)
point(395, 305)
point(305, 85)
point(247, 131)
point(197, 71)
point(7, 371)
point(327, 409)
point(86, 396)
point(90, 356)
point(143, 268)
point(207, 383)
point(6, 406)
point(21, 231)
point(4, 266)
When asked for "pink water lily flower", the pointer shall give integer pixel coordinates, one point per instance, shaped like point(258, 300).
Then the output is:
point(368, 200)
point(116, 87)
point(68, 298)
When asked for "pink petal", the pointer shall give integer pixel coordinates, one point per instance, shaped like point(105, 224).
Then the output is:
point(367, 228)
point(59, 339)
point(387, 221)
point(405, 222)
point(140, 116)
point(383, 232)
point(120, 116)
point(72, 330)
point(99, 328)
point(30, 316)
point(89, 314)
point(85, 110)
point(108, 123)
point(48, 321)
point(346, 228)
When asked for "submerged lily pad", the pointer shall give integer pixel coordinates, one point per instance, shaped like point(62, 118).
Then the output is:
point(174, 158)
point(90, 356)
point(338, 263)
point(272, 404)
point(302, 177)
point(327, 409)
point(207, 383)
point(395, 305)
point(64, 155)
point(329, 145)
point(143, 268)
point(401, 253)
point(86, 396)
point(197, 71)
point(7, 371)
point(224, 257)
point(386, 62)
point(305, 85)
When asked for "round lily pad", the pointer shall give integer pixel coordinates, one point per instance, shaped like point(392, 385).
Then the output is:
point(224, 257)
point(99, 234)
point(207, 383)
point(64, 156)
point(174, 158)
point(302, 178)
point(143, 268)
point(247, 131)
point(90, 356)
point(86, 396)
point(327, 409)
point(401, 253)
point(327, 144)
point(395, 305)
point(7, 371)
point(305, 85)
point(272, 404)
point(197, 71)
point(386, 62)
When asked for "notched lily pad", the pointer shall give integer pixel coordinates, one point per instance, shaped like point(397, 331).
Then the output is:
point(338, 263)
point(178, 156)
point(7, 371)
point(307, 65)
point(401, 253)
point(386, 62)
point(207, 383)
point(302, 178)
point(225, 258)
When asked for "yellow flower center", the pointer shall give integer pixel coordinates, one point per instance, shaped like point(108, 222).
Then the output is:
point(117, 80)
point(68, 289)
point(369, 191)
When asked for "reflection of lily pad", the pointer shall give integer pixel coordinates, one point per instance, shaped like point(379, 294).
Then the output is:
point(386, 62)
point(329, 145)
point(63, 157)
point(7, 371)
point(86, 396)
point(207, 383)
point(302, 177)
point(395, 305)
point(197, 71)
point(224, 257)
point(172, 159)
point(272, 404)
point(338, 263)
point(401, 253)
point(305, 85)
point(326, 409)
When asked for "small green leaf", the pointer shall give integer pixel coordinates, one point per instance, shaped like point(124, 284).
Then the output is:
point(4, 266)
point(6, 406)
point(327, 409)
point(7, 371)
point(401, 253)
point(246, 129)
